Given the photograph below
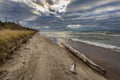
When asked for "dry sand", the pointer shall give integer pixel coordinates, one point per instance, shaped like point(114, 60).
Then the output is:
point(55, 62)
point(40, 59)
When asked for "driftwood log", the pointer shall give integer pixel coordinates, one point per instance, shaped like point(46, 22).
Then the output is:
point(86, 60)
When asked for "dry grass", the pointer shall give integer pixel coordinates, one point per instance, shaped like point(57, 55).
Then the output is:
point(6, 35)
point(11, 40)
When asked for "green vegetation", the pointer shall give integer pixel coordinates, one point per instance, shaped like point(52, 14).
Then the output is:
point(12, 36)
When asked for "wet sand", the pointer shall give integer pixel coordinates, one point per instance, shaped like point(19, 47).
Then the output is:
point(106, 58)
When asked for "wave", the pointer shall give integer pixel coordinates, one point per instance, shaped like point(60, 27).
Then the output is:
point(115, 35)
point(56, 40)
point(99, 33)
point(91, 33)
point(53, 39)
point(98, 44)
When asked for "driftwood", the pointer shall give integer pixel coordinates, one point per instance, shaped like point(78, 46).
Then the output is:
point(86, 60)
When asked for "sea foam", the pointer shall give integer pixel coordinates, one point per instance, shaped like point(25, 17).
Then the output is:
point(97, 44)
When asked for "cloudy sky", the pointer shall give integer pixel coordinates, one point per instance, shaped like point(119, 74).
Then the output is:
point(63, 14)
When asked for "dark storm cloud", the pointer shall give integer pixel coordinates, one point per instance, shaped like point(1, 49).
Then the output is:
point(90, 14)
point(102, 14)
point(15, 11)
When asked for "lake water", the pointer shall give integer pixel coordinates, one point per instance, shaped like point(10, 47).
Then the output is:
point(106, 39)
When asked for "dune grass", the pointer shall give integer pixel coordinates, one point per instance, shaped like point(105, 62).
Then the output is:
point(11, 39)
point(7, 35)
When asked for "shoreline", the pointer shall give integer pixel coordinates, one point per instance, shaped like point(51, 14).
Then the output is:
point(81, 56)
point(106, 58)
point(41, 59)
point(85, 59)
point(101, 45)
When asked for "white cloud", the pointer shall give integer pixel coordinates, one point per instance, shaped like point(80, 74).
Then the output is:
point(47, 27)
point(74, 26)
point(107, 8)
point(46, 6)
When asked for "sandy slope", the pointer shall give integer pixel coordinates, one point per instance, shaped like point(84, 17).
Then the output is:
point(40, 59)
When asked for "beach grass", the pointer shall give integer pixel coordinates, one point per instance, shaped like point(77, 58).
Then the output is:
point(11, 39)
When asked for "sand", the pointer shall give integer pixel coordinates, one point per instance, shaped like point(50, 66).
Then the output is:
point(40, 59)
point(106, 58)
point(55, 63)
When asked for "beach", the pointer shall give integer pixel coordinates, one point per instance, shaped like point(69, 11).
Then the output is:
point(55, 62)
point(42, 59)
point(59, 39)
point(106, 58)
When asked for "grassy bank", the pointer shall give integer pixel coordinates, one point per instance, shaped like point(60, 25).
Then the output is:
point(12, 36)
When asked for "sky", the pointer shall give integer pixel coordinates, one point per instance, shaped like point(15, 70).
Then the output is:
point(63, 14)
